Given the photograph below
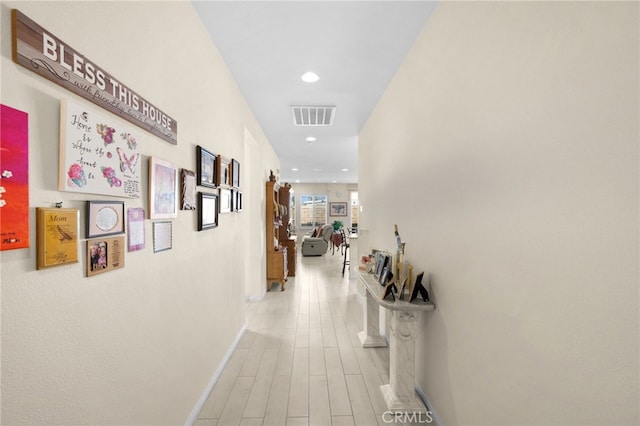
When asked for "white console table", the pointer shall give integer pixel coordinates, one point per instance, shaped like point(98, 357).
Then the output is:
point(400, 393)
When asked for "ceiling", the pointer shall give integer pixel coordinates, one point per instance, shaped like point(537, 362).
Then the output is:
point(355, 47)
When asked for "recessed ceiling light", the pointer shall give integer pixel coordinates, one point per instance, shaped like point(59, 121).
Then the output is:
point(345, 170)
point(295, 169)
point(310, 77)
point(310, 139)
point(297, 180)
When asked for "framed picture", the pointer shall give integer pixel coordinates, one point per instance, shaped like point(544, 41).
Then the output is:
point(14, 165)
point(135, 229)
point(208, 211)
point(385, 276)
point(105, 218)
point(188, 190)
point(225, 200)
point(162, 236)
point(337, 209)
point(207, 167)
point(382, 261)
point(98, 154)
point(235, 173)
point(56, 236)
point(104, 255)
point(163, 189)
point(237, 205)
point(224, 171)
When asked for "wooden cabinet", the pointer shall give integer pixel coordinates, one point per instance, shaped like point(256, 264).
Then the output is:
point(277, 268)
point(276, 251)
point(284, 197)
point(291, 255)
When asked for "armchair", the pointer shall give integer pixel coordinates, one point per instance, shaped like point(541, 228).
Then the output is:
point(317, 246)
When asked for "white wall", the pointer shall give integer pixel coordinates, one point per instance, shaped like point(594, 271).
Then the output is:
point(506, 149)
point(254, 204)
point(137, 345)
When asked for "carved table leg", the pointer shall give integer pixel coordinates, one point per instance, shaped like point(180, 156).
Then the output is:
point(370, 337)
point(400, 393)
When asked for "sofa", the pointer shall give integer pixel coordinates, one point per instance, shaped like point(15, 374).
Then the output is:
point(318, 243)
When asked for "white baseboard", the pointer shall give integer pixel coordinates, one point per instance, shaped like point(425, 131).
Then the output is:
point(437, 421)
point(207, 391)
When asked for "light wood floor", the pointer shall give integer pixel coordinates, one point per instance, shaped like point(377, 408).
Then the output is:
point(300, 361)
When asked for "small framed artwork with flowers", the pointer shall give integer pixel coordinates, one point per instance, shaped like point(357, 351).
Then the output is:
point(98, 153)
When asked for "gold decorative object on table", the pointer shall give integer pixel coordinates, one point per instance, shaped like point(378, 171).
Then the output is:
point(399, 264)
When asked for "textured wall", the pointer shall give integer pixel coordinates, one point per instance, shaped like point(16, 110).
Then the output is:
point(137, 345)
point(506, 149)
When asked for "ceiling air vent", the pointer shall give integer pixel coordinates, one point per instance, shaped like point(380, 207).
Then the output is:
point(313, 115)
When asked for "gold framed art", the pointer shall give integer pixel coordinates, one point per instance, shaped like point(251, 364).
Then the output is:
point(56, 236)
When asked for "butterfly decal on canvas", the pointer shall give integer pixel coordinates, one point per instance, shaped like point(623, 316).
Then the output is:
point(106, 132)
point(128, 163)
point(131, 141)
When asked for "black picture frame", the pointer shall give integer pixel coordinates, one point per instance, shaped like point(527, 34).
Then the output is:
point(382, 261)
point(207, 167)
point(235, 173)
point(237, 205)
point(384, 277)
point(419, 289)
point(223, 172)
point(207, 211)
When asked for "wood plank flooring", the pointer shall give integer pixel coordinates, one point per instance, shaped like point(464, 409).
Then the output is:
point(300, 361)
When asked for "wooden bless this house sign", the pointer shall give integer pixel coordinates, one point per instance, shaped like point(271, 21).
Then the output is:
point(45, 54)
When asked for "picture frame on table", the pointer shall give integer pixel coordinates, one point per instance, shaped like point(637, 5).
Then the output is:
point(381, 260)
point(163, 189)
point(105, 218)
point(207, 211)
point(384, 277)
point(338, 209)
point(206, 167)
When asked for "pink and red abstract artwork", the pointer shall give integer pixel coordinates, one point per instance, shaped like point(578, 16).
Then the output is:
point(14, 178)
